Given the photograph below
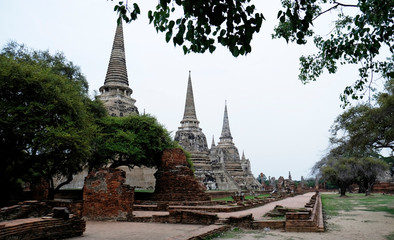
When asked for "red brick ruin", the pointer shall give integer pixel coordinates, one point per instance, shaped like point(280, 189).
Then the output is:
point(175, 181)
point(106, 197)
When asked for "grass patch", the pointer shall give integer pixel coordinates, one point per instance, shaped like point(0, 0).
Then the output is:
point(223, 199)
point(333, 204)
point(278, 218)
point(264, 195)
point(390, 236)
point(145, 190)
point(235, 233)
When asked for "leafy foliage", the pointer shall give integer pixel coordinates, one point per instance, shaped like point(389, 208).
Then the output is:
point(341, 171)
point(362, 35)
point(358, 137)
point(203, 24)
point(361, 32)
point(130, 141)
point(365, 127)
point(45, 125)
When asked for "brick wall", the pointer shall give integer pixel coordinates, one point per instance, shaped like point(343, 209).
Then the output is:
point(175, 181)
point(383, 187)
point(106, 197)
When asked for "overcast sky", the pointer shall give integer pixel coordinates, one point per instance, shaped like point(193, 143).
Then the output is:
point(280, 124)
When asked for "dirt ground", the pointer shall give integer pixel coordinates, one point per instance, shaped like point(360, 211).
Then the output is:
point(354, 225)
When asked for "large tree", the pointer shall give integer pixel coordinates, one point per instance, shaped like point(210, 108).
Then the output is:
point(134, 140)
point(342, 171)
point(46, 117)
point(369, 168)
point(362, 34)
point(367, 127)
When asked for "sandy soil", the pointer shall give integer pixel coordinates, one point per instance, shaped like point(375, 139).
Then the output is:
point(354, 225)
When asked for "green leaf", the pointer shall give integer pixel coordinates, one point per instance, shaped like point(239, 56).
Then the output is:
point(171, 24)
point(300, 35)
point(212, 49)
point(168, 35)
point(279, 14)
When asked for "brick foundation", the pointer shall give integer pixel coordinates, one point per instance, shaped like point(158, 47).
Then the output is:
point(383, 187)
point(175, 181)
point(39, 228)
point(106, 197)
point(306, 221)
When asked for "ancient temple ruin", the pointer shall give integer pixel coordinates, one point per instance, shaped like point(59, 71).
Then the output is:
point(116, 97)
point(219, 167)
point(193, 140)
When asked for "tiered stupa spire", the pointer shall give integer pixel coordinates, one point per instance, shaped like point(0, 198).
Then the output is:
point(117, 70)
point(226, 133)
point(115, 93)
point(213, 141)
point(189, 117)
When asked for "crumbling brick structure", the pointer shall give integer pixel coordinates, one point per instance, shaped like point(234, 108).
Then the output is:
point(175, 181)
point(106, 197)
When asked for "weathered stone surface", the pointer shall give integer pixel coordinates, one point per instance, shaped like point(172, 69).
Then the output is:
point(175, 181)
point(106, 197)
point(116, 93)
point(218, 168)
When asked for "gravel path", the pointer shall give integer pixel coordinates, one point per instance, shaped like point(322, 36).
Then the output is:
point(291, 202)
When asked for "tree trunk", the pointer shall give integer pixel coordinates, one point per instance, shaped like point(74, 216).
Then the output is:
point(369, 190)
point(343, 191)
point(53, 191)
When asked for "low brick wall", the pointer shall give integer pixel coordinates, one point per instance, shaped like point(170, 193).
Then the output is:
point(220, 194)
point(40, 228)
point(26, 209)
point(306, 221)
point(245, 221)
point(272, 224)
point(383, 187)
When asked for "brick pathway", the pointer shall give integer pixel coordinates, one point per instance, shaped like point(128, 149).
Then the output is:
point(158, 231)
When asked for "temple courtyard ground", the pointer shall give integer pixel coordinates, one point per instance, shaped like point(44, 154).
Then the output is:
point(355, 224)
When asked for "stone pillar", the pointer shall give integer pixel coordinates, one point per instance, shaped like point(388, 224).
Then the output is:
point(106, 197)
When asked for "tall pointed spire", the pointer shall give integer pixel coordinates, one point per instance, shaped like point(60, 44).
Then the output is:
point(213, 141)
point(116, 93)
point(189, 117)
point(117, 71)
point(190, 110)
point(226, 133)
